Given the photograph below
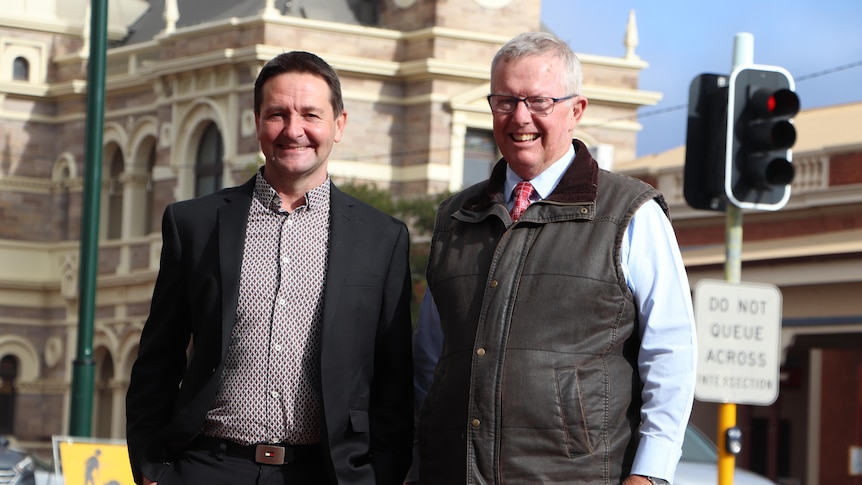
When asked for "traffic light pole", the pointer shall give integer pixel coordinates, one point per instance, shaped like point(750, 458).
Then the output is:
point(743, 53)
point(732, 272)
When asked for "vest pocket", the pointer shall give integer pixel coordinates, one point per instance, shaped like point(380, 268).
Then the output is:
point(576, 403)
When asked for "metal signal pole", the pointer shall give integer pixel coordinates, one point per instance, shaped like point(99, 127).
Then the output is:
point(743, 53)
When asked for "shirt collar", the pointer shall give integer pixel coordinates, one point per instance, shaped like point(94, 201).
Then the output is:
point(545, 182)
point(315, 198)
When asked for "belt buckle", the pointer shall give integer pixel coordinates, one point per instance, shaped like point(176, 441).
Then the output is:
point(269, 454)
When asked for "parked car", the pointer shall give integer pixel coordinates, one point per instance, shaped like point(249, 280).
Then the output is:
point(16, 467)
point(45, 473)
point(699, 463)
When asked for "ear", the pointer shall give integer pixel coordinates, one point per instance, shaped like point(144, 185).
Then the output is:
point(340, 121)
point(578, 107)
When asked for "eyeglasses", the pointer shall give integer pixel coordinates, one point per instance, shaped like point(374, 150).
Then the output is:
point(538, 105)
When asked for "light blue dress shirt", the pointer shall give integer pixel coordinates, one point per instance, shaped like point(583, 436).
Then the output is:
point(655, 273)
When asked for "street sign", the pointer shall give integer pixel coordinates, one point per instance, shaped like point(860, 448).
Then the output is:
point(739, 342)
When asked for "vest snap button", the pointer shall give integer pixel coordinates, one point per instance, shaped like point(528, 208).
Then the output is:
point(493, 283)
point(475, 423)
point(480, 352)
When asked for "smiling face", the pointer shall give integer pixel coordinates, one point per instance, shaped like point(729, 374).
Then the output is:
point(531, 143)
point(297, 128)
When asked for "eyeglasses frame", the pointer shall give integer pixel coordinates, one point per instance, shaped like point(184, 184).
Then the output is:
point(526, 105)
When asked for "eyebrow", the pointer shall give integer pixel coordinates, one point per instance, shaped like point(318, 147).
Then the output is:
point(304, 108)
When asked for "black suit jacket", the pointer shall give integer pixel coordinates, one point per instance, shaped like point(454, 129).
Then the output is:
point(366, 367)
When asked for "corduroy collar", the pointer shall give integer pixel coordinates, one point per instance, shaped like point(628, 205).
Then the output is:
point(579, 183)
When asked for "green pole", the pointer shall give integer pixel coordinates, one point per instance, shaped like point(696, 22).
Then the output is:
point(83, 372)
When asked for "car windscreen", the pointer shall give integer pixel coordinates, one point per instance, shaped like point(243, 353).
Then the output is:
point(697, 448)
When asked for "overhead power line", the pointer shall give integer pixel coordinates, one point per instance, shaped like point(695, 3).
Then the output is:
point(646, 114)
point(829, 71)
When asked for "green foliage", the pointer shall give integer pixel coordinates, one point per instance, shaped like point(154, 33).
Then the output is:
point(418, 212)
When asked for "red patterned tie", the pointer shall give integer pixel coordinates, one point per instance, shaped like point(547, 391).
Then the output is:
point(523, 191)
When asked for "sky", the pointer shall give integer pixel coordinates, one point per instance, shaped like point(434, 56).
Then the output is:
point(816, 41)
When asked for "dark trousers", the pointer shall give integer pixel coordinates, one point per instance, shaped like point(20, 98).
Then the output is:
point(200, 466)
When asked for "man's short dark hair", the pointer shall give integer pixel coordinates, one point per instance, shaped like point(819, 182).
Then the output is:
point(300, 61)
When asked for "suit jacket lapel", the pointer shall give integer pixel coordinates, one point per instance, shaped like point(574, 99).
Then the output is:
point(232, 223)
point(342, 221)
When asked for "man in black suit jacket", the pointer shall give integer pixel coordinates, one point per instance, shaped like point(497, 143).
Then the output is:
point(277, 349)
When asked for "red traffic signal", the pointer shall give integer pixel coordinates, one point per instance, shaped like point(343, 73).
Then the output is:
point(769, 125)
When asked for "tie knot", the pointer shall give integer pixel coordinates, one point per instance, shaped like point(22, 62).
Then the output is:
point(523, 186)
point(523, 191)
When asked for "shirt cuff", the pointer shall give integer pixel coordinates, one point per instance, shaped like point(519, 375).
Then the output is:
point(656, 457)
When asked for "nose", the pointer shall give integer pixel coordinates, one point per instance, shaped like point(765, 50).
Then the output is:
point(521, 111)
point(293, 126)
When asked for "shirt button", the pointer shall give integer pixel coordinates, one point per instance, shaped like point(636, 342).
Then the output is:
point(273, 394)
point(278, 347)
point(290, 222)
point(281, 301)
point(480, 352)
point(475, 423)
point(493, 283)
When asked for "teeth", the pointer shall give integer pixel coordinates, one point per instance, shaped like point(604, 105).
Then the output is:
point(524, 136)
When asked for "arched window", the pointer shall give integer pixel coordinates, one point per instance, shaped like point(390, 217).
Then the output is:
point(8, 374)
point(115, 197)
point(208, 163)
point(103, 404)
point(20, 69)
point(139, 189)
point(64, 204)
point(148, 201)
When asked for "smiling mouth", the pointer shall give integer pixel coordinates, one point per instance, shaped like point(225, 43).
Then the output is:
point(524, 136)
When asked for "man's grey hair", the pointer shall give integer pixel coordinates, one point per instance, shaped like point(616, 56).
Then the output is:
point(542, 43)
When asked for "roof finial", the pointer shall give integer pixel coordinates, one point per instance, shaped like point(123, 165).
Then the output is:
point(631, 39)
point(171, 15)
point(269, 8)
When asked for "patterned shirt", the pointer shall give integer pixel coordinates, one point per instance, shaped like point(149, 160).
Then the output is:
point(268, 389)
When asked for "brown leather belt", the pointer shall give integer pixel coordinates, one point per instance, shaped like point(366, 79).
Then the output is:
point(263, 453)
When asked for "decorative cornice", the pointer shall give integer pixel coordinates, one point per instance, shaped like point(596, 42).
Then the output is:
point(30, 185)
point(619, 62)
point(58, 26)
point(621, 95)
point(43, 386)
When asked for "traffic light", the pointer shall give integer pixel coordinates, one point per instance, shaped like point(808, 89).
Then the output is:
point(705, 153)
point(760, 132)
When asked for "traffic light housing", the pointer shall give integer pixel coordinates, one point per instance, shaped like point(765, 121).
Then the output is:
point(760, 106)
point(705, 153)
